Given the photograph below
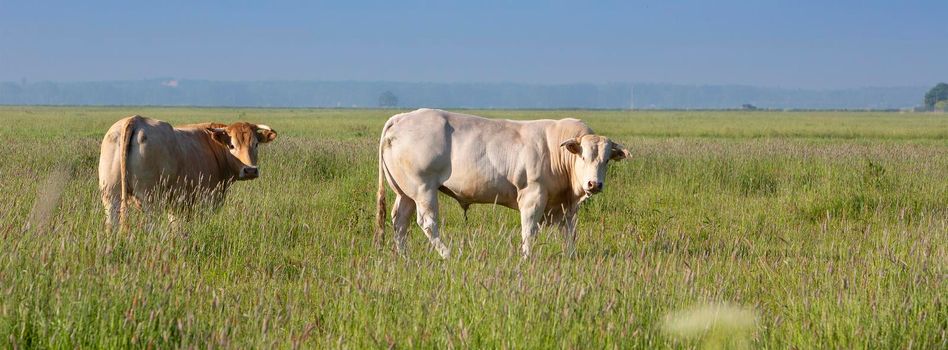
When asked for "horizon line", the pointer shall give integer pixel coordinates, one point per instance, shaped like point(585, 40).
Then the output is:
point(614, 83)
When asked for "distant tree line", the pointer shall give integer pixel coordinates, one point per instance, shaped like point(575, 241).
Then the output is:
point(169, 92)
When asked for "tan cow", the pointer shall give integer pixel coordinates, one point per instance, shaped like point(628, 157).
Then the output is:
point(154, 164)
point(543, 168)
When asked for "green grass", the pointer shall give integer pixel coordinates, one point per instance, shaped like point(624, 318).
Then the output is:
point(810, 230)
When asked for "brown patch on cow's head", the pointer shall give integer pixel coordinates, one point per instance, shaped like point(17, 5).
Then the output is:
point(593, 153)
point(242, 140)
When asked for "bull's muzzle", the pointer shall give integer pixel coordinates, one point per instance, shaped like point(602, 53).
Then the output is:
point(593, 187)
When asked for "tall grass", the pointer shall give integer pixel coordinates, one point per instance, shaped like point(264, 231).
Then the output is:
point(776, 230)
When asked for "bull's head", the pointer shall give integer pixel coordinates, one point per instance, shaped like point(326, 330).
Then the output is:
point(242, 140)
point(593, 154)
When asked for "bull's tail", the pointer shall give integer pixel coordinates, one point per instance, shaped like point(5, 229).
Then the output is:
point(125, 146)
point(380, 196)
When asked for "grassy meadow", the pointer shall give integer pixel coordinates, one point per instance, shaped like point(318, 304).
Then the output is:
point(725, 229)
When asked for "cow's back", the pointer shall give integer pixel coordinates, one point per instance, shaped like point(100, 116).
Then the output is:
point(152, 154)
point(110, 154)
point(159, 160)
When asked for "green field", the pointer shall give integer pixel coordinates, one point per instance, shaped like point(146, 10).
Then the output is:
point(803, 230)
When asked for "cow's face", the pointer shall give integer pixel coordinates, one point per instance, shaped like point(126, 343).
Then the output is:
point(242, 140)
point(593, 154)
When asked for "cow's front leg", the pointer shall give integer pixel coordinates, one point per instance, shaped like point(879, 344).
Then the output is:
point(569, 230)
point(178, 220)
point(113, 203)
point(531, 201)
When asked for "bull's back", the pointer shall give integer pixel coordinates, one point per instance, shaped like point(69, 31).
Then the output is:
point(417, 142)
point(432, 137)
point(475, 159)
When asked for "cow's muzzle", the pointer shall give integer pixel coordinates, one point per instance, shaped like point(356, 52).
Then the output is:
point(249, 173)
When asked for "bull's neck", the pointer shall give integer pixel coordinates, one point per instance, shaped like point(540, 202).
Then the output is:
point(563, 166)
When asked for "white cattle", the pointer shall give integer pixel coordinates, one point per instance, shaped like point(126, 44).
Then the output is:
point(543, 168)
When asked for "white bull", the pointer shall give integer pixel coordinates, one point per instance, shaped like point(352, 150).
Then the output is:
point(543, 168)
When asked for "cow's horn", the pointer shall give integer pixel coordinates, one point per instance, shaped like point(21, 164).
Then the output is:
point(264, 127)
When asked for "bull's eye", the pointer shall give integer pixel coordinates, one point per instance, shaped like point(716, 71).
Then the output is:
point(230, 146)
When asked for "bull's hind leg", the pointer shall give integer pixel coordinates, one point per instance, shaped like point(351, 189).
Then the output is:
point(402, 211)
point(427, 203)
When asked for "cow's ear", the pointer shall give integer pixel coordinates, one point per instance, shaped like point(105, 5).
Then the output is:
point(220, 135)
point(619, 152)
point(265, 134)
point(572, 145)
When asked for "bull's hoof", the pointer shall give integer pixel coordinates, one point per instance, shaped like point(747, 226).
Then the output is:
point(402, 252)
point(445, 252)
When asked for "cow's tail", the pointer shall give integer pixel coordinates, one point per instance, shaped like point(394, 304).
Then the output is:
point(125, 146)
point(380, 195)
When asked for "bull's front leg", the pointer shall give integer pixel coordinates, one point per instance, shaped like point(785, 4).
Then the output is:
point(564, 216)
point(531, 202)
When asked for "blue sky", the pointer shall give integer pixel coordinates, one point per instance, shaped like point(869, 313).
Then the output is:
point(805, 44)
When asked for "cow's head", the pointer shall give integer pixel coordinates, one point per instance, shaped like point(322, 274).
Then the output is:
point(242, 140)
point(593, 154)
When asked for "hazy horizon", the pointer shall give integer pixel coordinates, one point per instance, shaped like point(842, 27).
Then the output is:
point(472, 82)
point(450, 95)
point(808, 45)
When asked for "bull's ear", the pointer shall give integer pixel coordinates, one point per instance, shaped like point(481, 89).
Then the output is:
point(572, 145)
point(619, 152)
point(220, 135)
point(265, 134)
